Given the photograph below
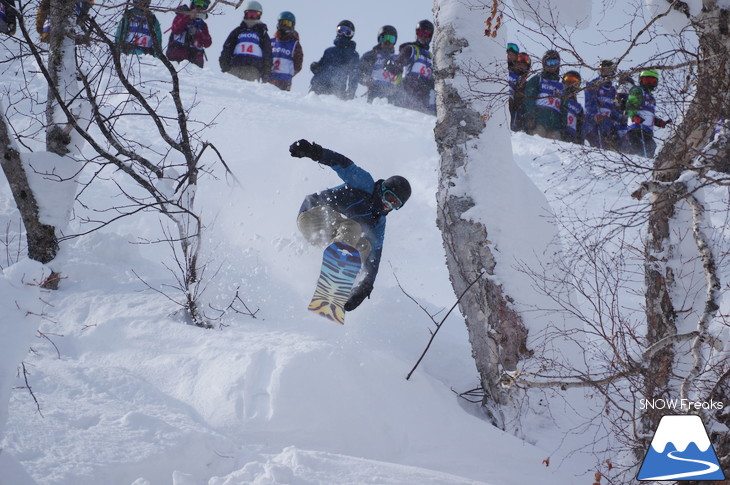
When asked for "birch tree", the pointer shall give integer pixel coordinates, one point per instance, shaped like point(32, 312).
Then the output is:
point(679, 350)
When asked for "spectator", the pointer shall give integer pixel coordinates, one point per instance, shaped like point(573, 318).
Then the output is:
point(414, 64)
point(641, 115)
point(543, 95)
point(7, 17)
point(380, 83)
point(286, 52)
point(189, 36)
point(603, 119)
point(337, 71)
point(139, 31)
point(520, 69)
point(572, 109)
point(246, 52)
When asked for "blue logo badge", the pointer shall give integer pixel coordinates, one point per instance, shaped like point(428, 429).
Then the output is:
point(680, 450)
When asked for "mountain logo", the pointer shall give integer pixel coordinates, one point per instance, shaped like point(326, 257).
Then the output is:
point(680, 450)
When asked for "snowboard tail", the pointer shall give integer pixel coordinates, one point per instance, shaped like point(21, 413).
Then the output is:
point(340, 265)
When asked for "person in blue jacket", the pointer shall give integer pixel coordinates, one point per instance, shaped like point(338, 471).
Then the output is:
point(7, 17)
point(603, 120)
point(353, 213)
point(338, 71)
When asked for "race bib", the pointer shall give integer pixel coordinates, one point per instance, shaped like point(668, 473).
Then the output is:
point(249, 49)
point(283, 66)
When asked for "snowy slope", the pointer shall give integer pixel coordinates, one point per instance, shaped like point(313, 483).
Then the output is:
point(130, 395)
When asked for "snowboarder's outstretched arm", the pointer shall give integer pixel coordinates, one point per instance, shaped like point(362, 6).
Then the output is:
point(350, 173)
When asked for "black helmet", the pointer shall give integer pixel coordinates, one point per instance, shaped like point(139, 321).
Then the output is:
point(387, 30)
point(399, 186)
point(346, 29)
point(551, 54)
point(425, 25)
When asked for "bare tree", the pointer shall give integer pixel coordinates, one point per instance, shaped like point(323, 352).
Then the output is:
point(95, 93)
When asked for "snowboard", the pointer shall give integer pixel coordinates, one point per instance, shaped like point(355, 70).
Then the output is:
point(340, 266)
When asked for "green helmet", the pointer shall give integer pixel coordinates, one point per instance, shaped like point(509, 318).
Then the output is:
point(253, 5)
point(649, 73)
point(287, 16)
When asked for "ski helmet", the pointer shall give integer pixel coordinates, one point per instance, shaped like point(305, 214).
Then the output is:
point(287, 16)
point(512, 47)
point(524, 57)
point(253, 5)
point(202, 4)
point(424, 31)
point(572, 79)
point(649, 79)
point(425, 25)
point(386, 30)
point(399, 187)
point(286, 21)
point(252, 10)
point(608, 66)
point(649, 73)
point(346, 29)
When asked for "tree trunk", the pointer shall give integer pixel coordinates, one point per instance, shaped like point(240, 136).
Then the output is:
point(685, 148)
point(496, 331)
point(42, 241)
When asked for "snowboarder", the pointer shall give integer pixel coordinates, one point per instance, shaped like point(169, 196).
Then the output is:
point(139, 31)
point(602, 118)
point(189, 34)
point(572, 109)
point(415, 67)
point(7, 17)
point(337, 71)
point(246, 52)
point(353, 213)
point(640, 112)
point(517, 78)
point(380, 83)
point(543, 94)
point(286, 52)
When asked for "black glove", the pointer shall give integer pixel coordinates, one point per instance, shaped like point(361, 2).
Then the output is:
point(303, 148)
point(357, 296)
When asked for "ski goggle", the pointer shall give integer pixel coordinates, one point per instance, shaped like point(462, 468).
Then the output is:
point(345, 31)
point(424, 34)
point(571, 80)
point(252, 15)
point(523, 58)
point(512, 47)
point(552, 62)
point(391, 201)
point(648, 81)
point(387, 39)
point(286, 23)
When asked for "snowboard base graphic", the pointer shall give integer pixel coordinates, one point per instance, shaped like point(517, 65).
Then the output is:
point(340, 266)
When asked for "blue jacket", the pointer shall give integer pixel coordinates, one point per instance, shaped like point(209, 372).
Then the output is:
point(338, 71)
point(357, 199)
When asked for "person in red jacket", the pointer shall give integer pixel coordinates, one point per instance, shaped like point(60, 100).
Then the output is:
point(189, 36)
